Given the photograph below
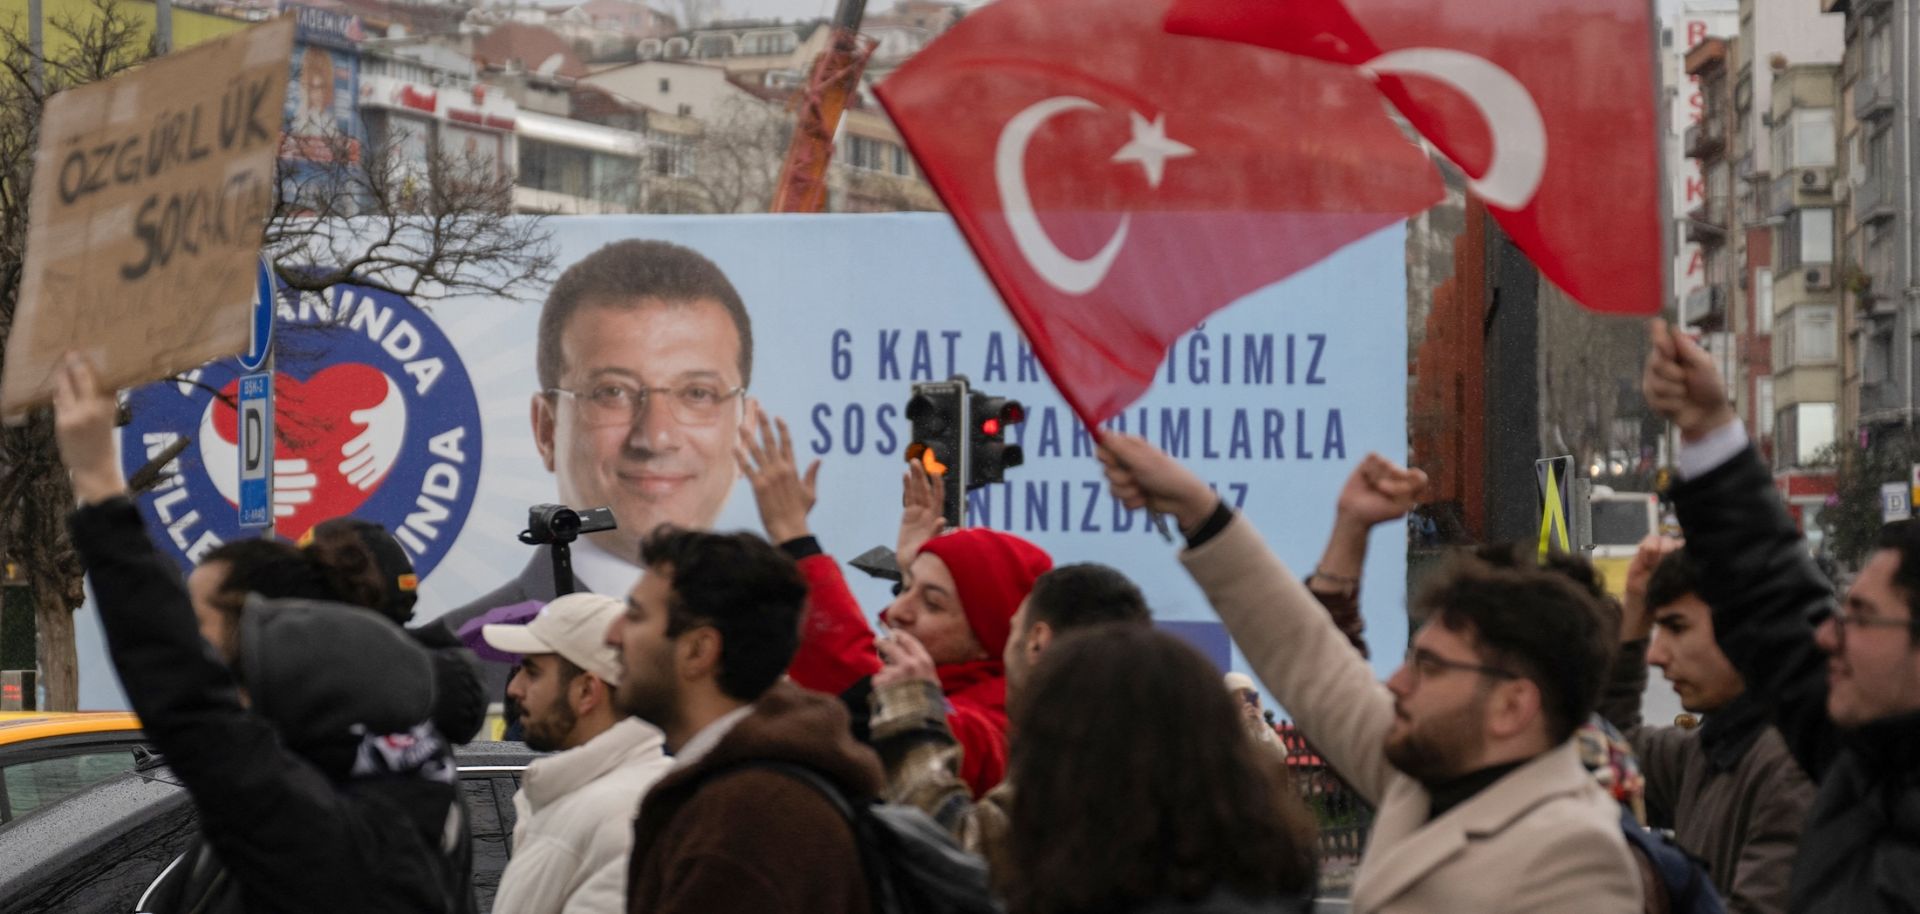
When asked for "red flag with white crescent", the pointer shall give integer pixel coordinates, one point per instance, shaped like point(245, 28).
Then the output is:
point(1547, 106)
point(1119, 183)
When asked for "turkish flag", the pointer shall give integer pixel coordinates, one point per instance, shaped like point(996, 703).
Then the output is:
point(1548, 106)
point(1119, 184)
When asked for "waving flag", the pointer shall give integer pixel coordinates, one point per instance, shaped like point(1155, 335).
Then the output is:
point(1119, 183)
point(1548, 106)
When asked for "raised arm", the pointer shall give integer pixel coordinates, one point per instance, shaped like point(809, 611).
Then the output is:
point(1294, 648)
point(232, 761)
point(836, 644)
point(1378, 491)
point(1755, 569)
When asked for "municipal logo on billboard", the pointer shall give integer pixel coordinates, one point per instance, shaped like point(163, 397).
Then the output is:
point(374, 416)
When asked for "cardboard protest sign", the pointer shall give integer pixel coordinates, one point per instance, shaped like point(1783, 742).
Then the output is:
point(149, 198)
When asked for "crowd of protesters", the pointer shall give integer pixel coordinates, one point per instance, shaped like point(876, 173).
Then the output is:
point(716, 741)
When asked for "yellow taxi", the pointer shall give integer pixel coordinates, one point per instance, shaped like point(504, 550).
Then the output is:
point(46, 755)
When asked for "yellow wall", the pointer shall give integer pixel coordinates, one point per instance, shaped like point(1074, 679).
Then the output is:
point(189, 26)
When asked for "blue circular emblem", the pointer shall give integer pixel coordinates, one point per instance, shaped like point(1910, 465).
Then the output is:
point(373, 416)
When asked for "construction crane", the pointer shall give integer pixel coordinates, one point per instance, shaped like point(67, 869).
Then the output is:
point(802, 187)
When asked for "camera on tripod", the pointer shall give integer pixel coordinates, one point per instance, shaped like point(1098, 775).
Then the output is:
point(561, 524)
point(558, 526)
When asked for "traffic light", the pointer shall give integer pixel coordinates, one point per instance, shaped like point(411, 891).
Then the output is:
point(988, 453)
point(938, 411)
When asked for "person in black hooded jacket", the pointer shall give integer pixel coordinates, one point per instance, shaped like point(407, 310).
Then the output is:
point(303, 739)
point(1842, 682)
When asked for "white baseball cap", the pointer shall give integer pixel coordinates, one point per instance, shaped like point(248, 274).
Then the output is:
point(573, 626)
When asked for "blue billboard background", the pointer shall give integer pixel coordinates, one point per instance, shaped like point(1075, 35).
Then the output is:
point(1272, 400)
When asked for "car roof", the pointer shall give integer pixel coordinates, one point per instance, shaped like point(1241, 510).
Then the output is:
point(22, 726)
point(84, 822)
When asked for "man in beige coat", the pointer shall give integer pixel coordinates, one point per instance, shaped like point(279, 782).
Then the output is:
point(1482, 803)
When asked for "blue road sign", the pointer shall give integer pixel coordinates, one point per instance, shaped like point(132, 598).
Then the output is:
point(260, 340)
point(256, 450)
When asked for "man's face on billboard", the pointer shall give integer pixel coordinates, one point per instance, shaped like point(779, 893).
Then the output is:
point(662, 456)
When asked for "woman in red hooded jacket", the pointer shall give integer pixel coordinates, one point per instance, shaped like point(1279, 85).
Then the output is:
point(956, 604)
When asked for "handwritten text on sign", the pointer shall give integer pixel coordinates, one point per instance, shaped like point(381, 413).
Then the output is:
point(150, 194)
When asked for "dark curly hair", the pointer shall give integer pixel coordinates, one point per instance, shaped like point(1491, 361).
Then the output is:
point(332, 570)
point(626, 274)
point(1552, 624)
point(744, 588)
point(1137, 782)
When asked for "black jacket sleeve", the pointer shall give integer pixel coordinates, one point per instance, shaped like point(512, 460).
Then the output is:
point(1765, 590)
point(250, 789)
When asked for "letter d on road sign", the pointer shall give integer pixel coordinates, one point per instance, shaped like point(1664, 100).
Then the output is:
point(256, 450)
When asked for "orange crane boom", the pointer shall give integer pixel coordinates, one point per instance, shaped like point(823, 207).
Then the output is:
point(802, 187)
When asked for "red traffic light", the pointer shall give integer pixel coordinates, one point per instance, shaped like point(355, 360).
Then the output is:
point(990, 427)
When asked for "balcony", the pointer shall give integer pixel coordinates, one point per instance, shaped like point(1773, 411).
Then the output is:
point(1873, 96)
point(1707, 139)
point(1706, 224)
point(1706, 57)
point(1874, 201)
point(1705, 308)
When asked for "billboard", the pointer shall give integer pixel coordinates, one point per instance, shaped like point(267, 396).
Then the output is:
point(323, 95)
point(429, 420)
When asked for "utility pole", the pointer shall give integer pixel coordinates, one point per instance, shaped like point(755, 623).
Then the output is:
point(162, 27)
point(37, 44)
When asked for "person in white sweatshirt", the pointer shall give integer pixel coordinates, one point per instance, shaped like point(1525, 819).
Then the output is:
point(575, 809)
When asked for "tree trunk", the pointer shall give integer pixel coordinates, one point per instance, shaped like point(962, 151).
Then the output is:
point(59, 662)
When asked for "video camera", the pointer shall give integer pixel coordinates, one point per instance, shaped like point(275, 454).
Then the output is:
point(561, 524)
point(558, 526)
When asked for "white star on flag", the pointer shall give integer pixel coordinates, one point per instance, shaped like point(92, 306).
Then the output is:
point(1151, 147)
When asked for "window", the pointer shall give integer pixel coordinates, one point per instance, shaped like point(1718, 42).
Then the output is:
point(1807, 238)
point(1763, 404)
point(1813, 432)
point(666, 85)
point(590, 175)
point(1763, 301)
point(1879, 154)
point(1879, 49)
point(1806, 140)
point(1814, 144)
point(1815, 337)
point(712, 46)
point(31, 785)
point(764, 43)
point(670, 157)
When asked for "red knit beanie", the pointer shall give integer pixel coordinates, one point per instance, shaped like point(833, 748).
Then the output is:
point(994, 572)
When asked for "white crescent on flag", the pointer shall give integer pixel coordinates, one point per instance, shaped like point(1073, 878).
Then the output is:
point(1068, 274)
point(1519, 135)
point(1149, 147)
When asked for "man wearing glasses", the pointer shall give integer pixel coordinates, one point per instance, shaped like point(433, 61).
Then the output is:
point(644, 356)
point(1466, 753)
point(1842, 682)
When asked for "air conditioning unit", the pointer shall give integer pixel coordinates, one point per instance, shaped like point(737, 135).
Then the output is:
point(1819, 279)
point(1816, 180)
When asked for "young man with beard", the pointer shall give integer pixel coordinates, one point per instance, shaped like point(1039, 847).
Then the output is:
point(706, 636)
point(1729, 790)
point(1483, 804)
point(1841, 683)
point(570, 839)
